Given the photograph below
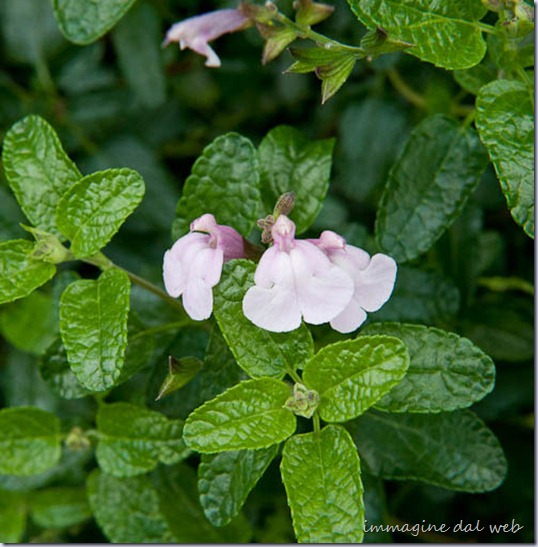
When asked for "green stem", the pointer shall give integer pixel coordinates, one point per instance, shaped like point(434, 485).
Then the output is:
point(469, 119)
point(294, 376)
point(407, 92)
point(484, 27)
point(309, 34)
point(502, 284)
point(317, 423)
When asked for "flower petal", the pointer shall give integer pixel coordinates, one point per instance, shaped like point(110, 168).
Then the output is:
point(173, 275)
point(350, 319)
point(374, 285)
point(323, 289)
point(198, 299)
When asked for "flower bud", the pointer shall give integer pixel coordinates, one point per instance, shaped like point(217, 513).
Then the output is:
point(303, 402)
point(48, 247)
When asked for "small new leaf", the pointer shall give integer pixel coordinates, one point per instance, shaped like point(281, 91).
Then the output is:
point(311, 13)
point(277, 38)
point(180, 373)
point(378, 42)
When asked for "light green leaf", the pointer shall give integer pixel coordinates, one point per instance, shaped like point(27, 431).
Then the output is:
point(84, 22)
point(290, 162)
point(30, 324)
point(127, 510)
point(180, 373)
point(12, 516)
point(178, 495)
point(132, 440)
point(60, 507)
point(225, 480)
point(257, 351)
point(29, 440)
point(322, 476)
point(54, 369)
point(446, 371)
point(352, 375)
point(20, 274)
point(224, 181)
point(136, 49)
point(447, 34)
point(247, 416)
point(505, 122)
point(93, 210)
point(93, 325)
point(454, 450)
point(428, 186)
point(420, 297)
point(38, 170)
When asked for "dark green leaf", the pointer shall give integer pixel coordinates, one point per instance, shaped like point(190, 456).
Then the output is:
point(428, 186)
point(30, 324)
point(93, 210)
point(225, 480)
point(176, 487)
point(29, 440)
point(20, 274)
point(292, 163)
point(93, 325)
point(352, 375)
point(452, 449)
point(309, 59)
point(249, 415)
point(505, 122)
point(132, 440)
point(84, 22)
point(55, 370)
point(12, 516)
point(224, 181)
point(10, 215)
point(136, 49)
point(322, 476)
point(180, 373)
point(446, 371)
point(420, 297)
point(38, 170)
point(257, 351)
point(60, 507)
point(474, 78)
point(127, 510)
point(447, 34)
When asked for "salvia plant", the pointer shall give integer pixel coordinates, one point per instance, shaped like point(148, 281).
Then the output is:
point(284, 351)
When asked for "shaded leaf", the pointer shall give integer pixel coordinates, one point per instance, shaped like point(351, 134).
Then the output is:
point(180, 372)
point(59, 507)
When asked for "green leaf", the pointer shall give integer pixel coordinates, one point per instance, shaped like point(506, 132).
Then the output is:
point(322, 476)
point(30, 324)
point(377, 42)
point(54, 369)
point(127, 510)
point(93, 210)
point(428, 186)
point(84, 22)
point(180, 373)
point(447, 34)
point(257, 351)
point(446, 371)
point(247, 416)
point(224, 181)
point(291, 163)
point(352, 375)
point(136, 49)
point(505, 122)
point(420, 297)
point(12, 516)
point(331, 67)
point(132, 440)
point(225, 480)
point(20, 274)
point(220, 370)
point(178, 495)
point(370, 134)
point(93, 325)
point(474, 78)
point(454, 450)
point(38, 170)
point(60, 507)
point(29, 440)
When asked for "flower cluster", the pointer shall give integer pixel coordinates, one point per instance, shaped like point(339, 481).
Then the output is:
point(313, 280)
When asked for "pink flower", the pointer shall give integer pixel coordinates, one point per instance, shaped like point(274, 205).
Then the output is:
point(195, 33)
point(192, 267)
point(295, 280)
point(374, 279)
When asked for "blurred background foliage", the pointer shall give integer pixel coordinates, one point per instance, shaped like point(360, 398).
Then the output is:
point(125, 101)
